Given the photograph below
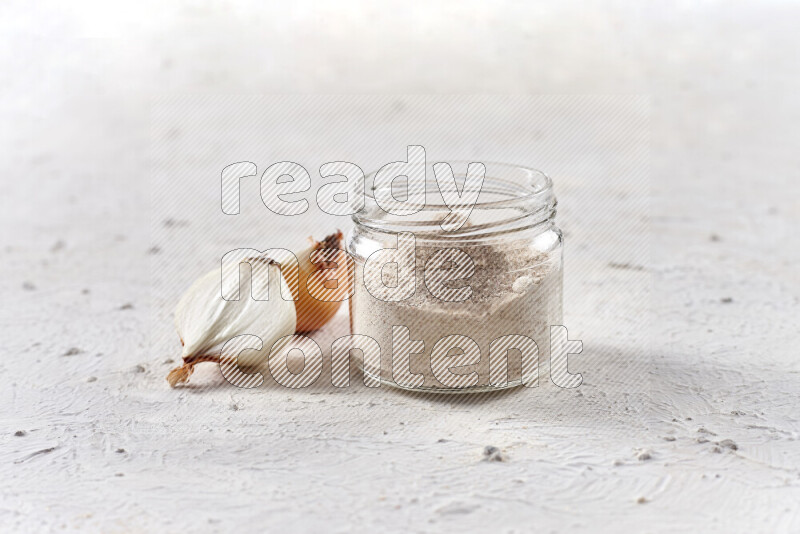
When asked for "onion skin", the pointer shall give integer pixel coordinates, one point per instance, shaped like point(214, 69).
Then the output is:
point(312, 311)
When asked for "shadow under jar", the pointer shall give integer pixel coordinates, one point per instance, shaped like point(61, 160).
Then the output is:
point(491, 288)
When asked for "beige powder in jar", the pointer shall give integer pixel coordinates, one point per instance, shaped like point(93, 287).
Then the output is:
point(516, 289)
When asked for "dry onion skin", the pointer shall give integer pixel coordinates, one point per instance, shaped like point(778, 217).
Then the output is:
point(318, 280)
point(322, 281)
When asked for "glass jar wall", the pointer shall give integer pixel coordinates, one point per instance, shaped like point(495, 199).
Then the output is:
point(459, 309)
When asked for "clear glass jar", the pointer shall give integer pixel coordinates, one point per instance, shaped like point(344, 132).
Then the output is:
point(514, 286)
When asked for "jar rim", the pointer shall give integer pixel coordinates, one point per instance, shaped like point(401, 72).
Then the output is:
point(541, 187)
point(512, 197)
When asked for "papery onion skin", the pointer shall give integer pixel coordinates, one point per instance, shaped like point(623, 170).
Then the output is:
point(313, 312)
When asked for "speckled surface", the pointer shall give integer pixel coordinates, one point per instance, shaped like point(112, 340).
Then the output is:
point(699, 350)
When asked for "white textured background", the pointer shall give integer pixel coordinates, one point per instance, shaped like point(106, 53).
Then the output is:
point(78, 86)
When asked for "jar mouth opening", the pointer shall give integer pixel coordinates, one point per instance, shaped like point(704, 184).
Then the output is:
point(511, 195)
point(516, 182)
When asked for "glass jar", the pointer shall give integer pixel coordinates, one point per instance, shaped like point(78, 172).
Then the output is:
point(481, 292)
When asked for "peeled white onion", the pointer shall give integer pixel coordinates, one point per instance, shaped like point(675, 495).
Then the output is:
point(205, 320)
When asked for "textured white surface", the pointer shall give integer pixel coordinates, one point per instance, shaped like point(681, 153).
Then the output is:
point(78, 221)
